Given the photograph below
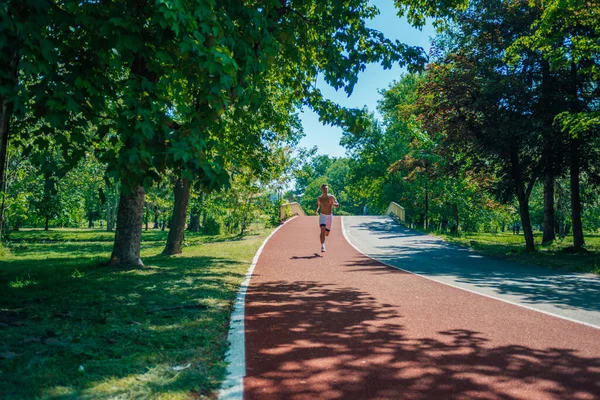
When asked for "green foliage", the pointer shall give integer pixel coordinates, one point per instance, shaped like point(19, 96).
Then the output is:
point(212, 226)
point(312, 166)
point(187, 89)
point(312, 191)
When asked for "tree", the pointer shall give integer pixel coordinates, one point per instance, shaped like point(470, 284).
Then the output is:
point(196, 199)
point(251, 142)
point(44, 99)
point(239, 48)
point(157, 80)
point(181, 198)
point(337, 176)
point(313, 190)
point(313, 165)
point(567, 35)
point(483, 106)
point(372, 150)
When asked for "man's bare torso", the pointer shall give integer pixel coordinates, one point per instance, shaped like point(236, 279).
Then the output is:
point(326, 204)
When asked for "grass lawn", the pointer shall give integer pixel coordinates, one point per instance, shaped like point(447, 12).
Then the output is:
point(70, 328)
point(509, 246)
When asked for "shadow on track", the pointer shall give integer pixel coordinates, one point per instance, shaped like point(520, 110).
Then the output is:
point(315, 255)
point(429, 256)
point(312, 340)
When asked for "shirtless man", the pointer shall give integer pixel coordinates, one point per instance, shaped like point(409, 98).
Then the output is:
point(326, 202)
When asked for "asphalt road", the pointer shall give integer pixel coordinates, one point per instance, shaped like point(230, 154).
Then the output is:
point(568, 295)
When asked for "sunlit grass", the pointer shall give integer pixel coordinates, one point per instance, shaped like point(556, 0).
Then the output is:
point(510, 246)
point(72, 328)
point(21, 283)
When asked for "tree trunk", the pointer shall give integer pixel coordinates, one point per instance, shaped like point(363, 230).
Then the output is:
point(156, 225)
point(112, 209)
point(195, 216)
point(6, 110)
point(561, 228)
point(176, 232)
point(575, 166)
point(128, 236)
point(110, 222)
point(47, 223)
point(549, 230)
point(146, 217)
point(109, 218)
point(245, 216)
point(90, 220)
point(426, 208)
point(194, 221)
point(578, 240)
point(546, 110)
point(526, 222)
point(523, 197)
point(560, 207)
point(6, 105)
point(455, 215)
point(3, 191)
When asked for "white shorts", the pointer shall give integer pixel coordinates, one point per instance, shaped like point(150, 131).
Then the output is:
point(326, 220)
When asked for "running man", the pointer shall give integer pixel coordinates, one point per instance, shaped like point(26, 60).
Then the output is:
point(326, 201)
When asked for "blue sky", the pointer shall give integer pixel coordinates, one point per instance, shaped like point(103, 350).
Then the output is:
point(327, 138)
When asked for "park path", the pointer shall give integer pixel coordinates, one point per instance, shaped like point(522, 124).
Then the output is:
point(340, 325)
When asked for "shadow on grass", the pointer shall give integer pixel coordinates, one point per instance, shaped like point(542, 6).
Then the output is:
point(73, 328)
point(312, 340)
point(78, 235)
point(96, 235)
point(429, 256)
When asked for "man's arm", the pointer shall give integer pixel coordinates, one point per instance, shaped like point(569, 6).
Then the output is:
point(335, 202)
point(318, 205)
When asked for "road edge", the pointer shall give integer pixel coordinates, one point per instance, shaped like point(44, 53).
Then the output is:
point(461, 288)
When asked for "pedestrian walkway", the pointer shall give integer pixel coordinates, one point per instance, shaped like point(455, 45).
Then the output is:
point(339, 325)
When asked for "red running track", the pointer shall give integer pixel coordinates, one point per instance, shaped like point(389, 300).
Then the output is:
point(340, 325)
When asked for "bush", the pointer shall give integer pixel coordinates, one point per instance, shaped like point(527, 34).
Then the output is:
point(273, 216)
point(342, 213)
point(4, 251)
point(212, 226)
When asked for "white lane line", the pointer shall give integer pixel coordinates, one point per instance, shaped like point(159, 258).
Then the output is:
point(232, 387)
point(347, 237)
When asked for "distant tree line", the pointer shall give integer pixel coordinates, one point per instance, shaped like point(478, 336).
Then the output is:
point(502, 129)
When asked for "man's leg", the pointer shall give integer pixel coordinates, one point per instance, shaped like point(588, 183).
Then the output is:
point(328, 222)
point(323, 234)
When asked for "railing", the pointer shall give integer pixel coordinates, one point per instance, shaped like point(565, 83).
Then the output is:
point(290, 209)
point(397, 210)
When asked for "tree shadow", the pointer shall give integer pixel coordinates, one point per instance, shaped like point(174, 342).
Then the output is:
point(311, 340)
point(433, 257)
point(121, 326)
